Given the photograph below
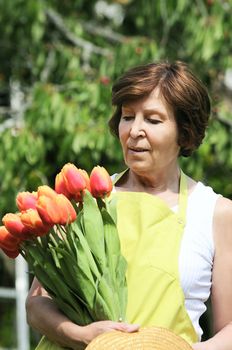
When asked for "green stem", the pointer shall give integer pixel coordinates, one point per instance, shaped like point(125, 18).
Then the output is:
point(39, 244)
point(54, 239)
point(76, 207)
point(22, 253)
point(61, 231)
point(63, 234)
point(39, 240)
point(107, 204)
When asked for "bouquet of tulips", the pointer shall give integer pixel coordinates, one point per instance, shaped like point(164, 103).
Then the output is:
point(69, 238)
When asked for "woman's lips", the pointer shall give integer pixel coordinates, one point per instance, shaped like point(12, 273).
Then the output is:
point(137, 149)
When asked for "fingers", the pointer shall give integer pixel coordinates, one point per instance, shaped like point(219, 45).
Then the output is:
point(96, 328)
point(126, 327)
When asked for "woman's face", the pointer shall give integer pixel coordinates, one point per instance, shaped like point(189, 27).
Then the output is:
point(148, 134)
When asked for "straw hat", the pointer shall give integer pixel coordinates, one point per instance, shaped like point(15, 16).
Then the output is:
point(150, 338)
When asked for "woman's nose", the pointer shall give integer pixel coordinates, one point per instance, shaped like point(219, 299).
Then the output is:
point(137, 128)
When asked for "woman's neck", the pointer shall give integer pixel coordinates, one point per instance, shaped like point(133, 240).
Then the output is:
point(156, 182)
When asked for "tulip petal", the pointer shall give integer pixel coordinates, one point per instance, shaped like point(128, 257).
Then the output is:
point(31, 219)
point(46, 191)
point(48, 210)
point(26, 200)
point(66, 210)
point(100, 182)
point(60, 186)
point(75, 180)
point(11, 253)
point(14, 225)
point(8, 241)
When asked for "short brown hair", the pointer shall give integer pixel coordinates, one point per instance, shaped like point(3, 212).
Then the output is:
point(179, 87)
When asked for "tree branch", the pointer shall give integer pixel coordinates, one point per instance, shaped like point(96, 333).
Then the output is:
point(48, 66)
point(106, 32)
point(87, 46)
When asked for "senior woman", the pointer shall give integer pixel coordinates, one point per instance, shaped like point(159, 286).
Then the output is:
point(175, 233)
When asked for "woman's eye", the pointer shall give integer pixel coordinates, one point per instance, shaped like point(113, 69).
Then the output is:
point(154, 121)
point(127, 117)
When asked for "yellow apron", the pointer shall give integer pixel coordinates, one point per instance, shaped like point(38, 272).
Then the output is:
point(150, 234)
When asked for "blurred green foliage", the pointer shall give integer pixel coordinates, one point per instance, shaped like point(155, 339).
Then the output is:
point(58, 60)
point(8, 322)
point(58, 63)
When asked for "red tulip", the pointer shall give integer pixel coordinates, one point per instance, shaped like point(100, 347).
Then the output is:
point(11, 253)
point(15, 226)
point(56, 210)
point(8, 241)
point(100, 182)
point(33, 222)
point(74, 180)
point(26, 200)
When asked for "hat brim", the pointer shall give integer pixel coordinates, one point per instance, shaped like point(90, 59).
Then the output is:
point(149, 338)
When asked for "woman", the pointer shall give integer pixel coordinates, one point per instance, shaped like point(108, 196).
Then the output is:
point(176, 234)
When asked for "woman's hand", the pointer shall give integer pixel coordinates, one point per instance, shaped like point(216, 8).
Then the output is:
point(199, 346)
point(94, 329)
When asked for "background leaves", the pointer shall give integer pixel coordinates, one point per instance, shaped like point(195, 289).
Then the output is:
point(58, 63)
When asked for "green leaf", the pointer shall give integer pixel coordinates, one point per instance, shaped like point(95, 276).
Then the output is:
point(37, 254)
point(54, 255)
point(101, 311)
point(112, 243)
point(106, 290)
point(94, 229)
point(75, 233)
point(112, 208)
point(83, 284)
point(79, 316)
point(122, 285)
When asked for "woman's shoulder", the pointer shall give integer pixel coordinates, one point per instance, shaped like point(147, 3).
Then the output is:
point(223, 210)
point(223, 223)
point(199, 191)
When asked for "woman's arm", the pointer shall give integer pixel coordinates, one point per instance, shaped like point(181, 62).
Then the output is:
point(44, 316)
point(221, 280)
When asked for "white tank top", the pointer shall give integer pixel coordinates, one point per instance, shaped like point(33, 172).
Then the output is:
point(197, 252)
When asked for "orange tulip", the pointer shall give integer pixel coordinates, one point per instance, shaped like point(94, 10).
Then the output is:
point(100, 182)
point(8, 241)
point(75, 180)
point(67, 212)
point(47, 210)
point(33, 222)
point(46, 191)
point(15, 226)
point(26, 200)
point(60, 186)
point(56, 210)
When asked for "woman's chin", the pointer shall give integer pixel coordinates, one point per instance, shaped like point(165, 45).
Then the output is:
point(139, 167)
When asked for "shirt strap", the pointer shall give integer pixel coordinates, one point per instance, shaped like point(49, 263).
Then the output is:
point(183, 198)
point(118, 176)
